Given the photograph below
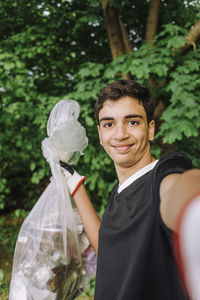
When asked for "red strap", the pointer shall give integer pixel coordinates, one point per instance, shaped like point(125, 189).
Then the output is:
point(79, 183)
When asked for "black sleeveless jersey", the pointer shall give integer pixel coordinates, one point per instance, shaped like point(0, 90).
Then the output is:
point(135, 256)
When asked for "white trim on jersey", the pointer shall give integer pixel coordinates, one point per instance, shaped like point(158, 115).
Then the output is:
point(135, 176)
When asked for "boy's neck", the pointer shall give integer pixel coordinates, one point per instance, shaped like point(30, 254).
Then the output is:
point(124, 173)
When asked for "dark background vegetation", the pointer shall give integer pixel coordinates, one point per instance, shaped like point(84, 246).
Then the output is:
point(56, 49)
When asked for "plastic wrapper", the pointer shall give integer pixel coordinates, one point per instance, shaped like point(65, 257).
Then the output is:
point(53, 259)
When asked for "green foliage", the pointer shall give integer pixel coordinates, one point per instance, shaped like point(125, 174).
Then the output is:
point(177, 83)
point(58, 49)
point(9, 227)
point(1, 275)
point(40, 52)
point(3, 285)
point(182, 115)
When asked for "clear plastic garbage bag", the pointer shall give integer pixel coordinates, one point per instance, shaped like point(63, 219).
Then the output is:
point(53, 259)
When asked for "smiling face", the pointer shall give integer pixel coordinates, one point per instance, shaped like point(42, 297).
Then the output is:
point(125, 134)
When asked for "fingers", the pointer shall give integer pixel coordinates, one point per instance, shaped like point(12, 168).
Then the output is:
point(67, 167)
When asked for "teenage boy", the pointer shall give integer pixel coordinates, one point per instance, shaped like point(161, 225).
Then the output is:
point(134, 239)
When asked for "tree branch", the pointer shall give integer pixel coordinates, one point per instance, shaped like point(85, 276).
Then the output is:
point(117, 34)
point(152, 20)
point(119, 41)
point(127, 43)
point(192, 37)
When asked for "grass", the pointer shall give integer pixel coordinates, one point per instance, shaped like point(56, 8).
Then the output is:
point(9, 228)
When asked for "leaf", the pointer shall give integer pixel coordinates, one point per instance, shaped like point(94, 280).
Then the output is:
point(187, 128)
point(89, 121)
point(176, 42)
point(139, 72)
point(160, 70)
point(9, 66)
point(32, 166)
point(109, 73)
point(1, 275)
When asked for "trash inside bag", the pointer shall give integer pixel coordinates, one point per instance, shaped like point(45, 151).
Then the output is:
point(53, 259)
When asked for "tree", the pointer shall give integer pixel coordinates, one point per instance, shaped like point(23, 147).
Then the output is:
point(61, 48)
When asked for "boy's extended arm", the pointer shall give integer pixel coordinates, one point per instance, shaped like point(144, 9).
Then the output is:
point(91, 220)
point(175, 191)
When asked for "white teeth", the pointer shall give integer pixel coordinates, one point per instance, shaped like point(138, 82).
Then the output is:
point(122, 148)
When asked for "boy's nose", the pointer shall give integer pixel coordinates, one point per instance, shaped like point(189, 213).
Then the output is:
point(121, 132)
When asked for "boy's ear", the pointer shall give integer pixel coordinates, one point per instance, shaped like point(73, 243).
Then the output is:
point(151, 130)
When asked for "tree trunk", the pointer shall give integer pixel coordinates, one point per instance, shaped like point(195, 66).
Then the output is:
point(152, 20)
point(117, 34)
point(151, 31)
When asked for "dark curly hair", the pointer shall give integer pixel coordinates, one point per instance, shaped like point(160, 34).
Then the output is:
point(121, 88)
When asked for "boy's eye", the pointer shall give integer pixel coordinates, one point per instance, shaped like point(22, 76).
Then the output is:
point(107, 125)
point(132, 122)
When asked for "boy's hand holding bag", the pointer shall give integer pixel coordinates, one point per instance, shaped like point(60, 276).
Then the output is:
point(74, 180)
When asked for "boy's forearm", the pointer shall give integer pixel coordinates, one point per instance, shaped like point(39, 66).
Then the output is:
point(91, 220)
point(176, 191)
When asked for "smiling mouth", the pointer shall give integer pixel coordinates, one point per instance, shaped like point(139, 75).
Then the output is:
point(122, 148)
